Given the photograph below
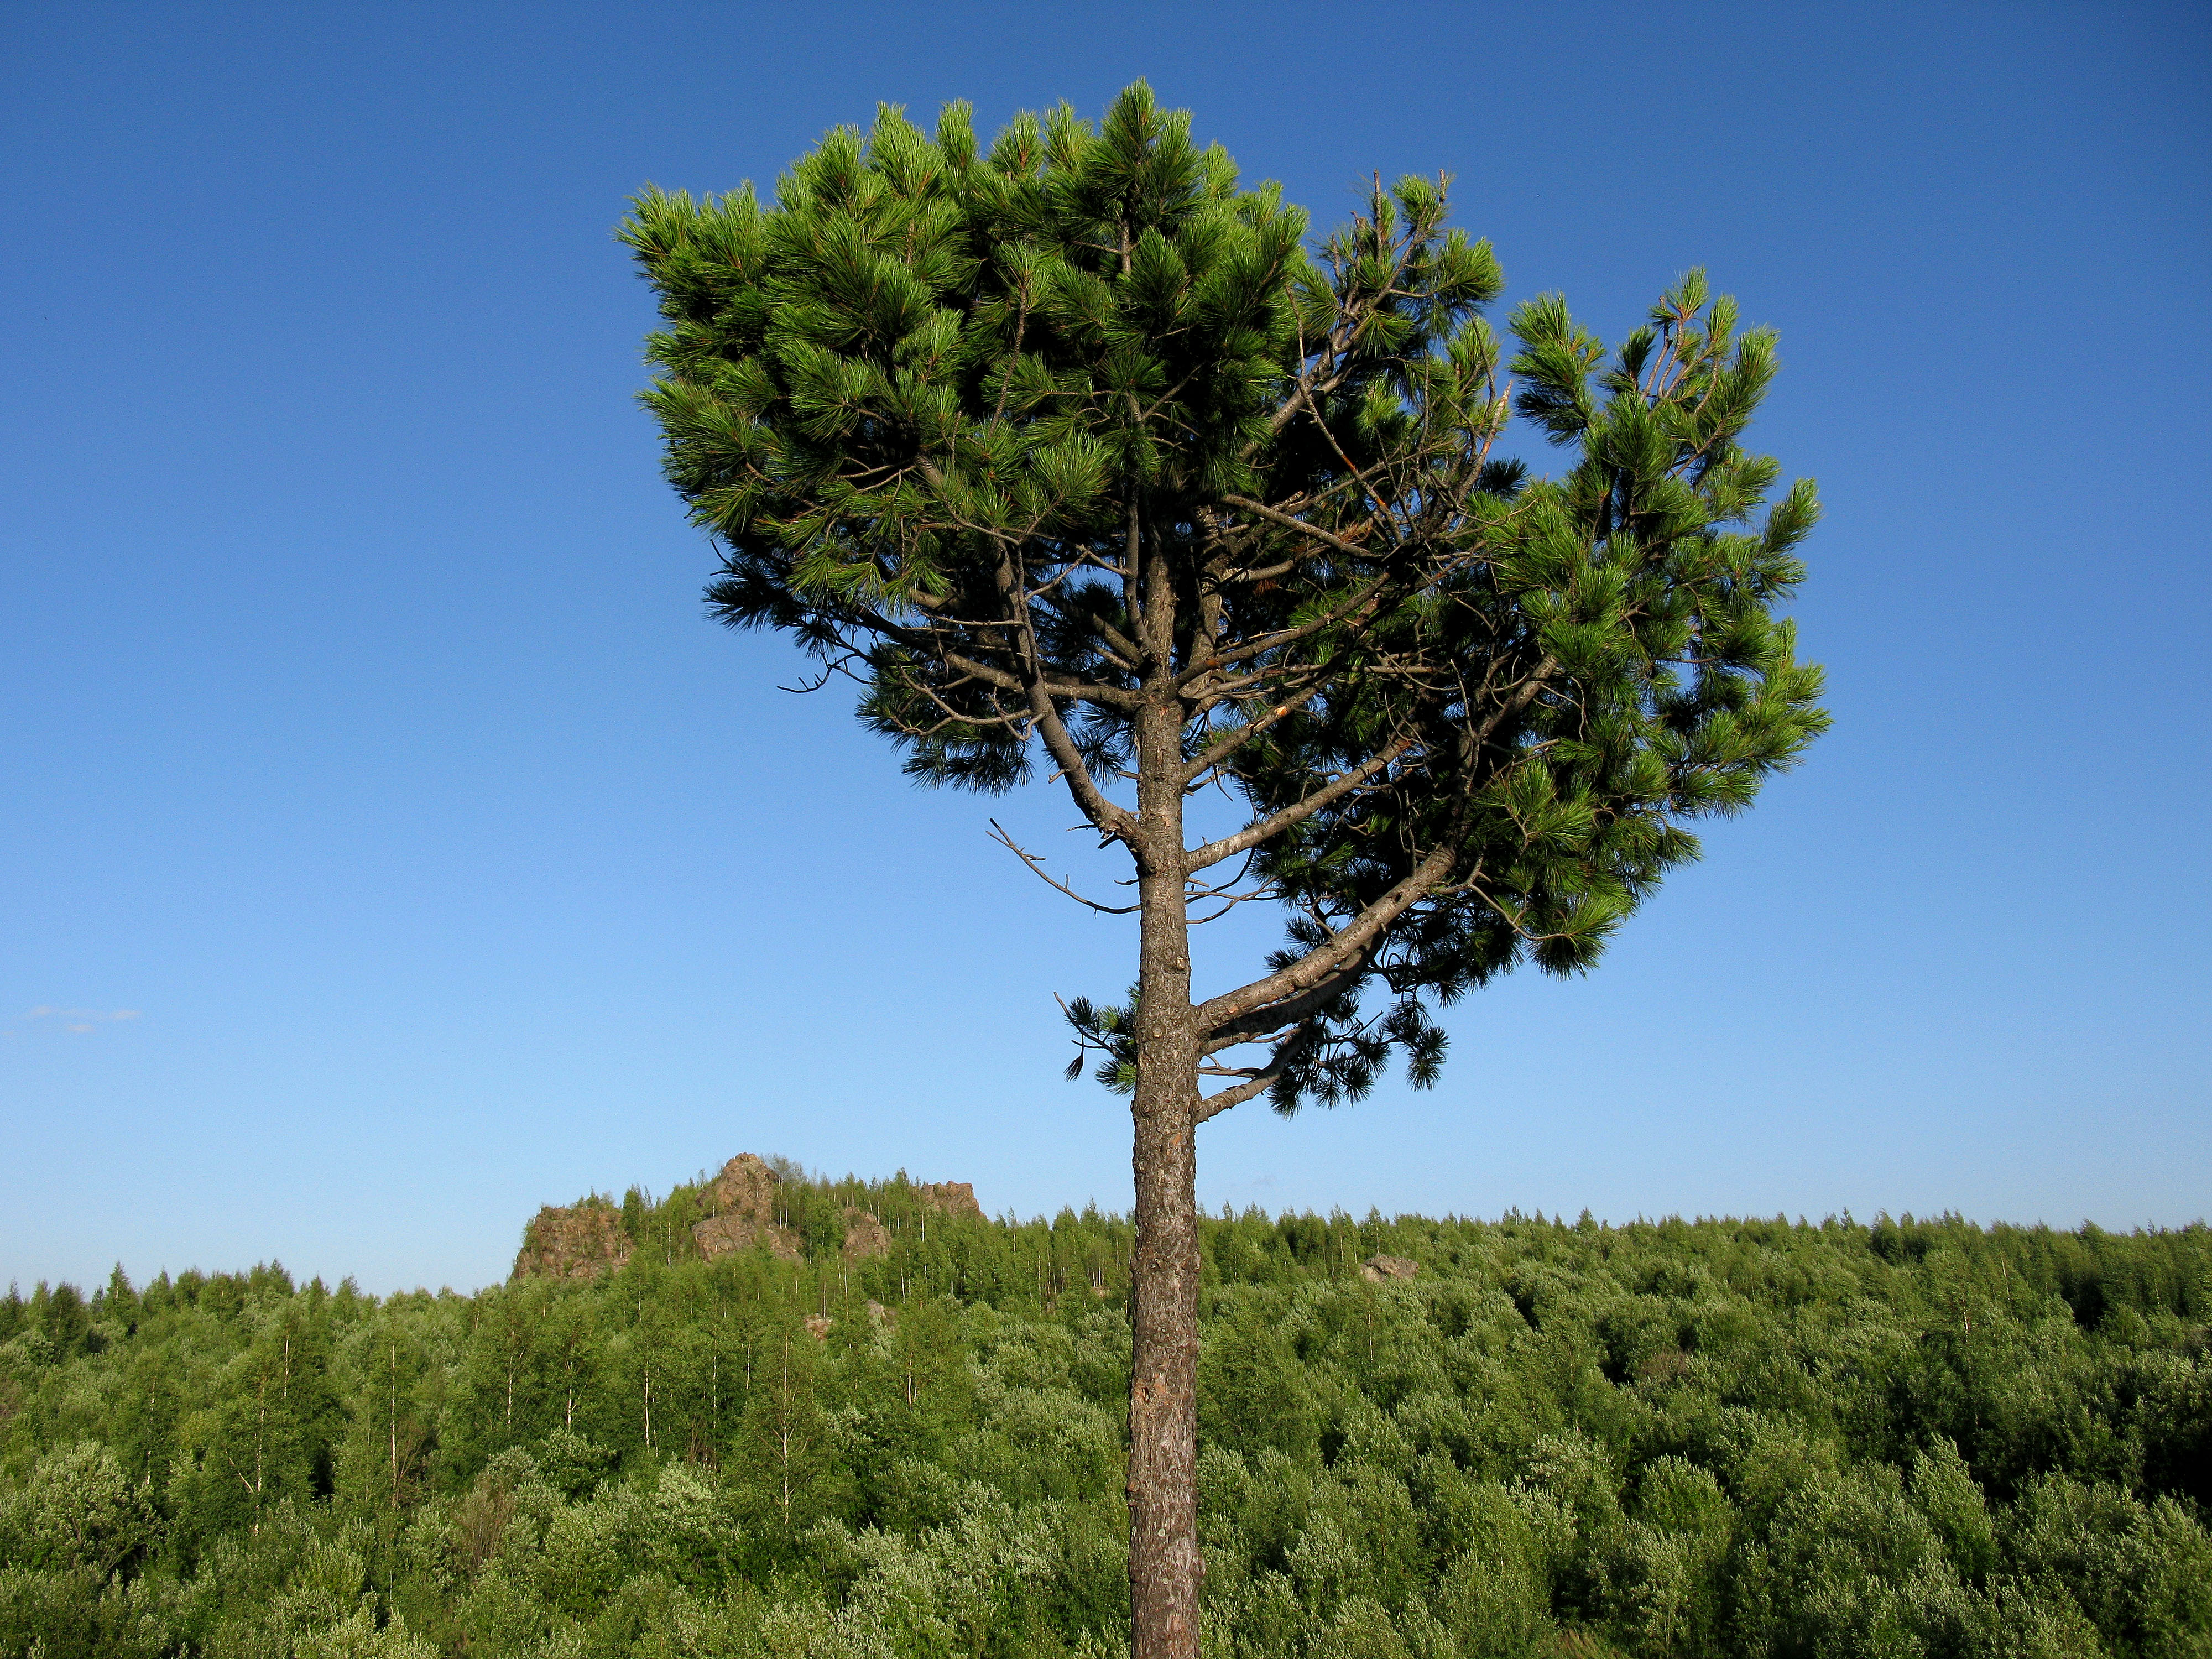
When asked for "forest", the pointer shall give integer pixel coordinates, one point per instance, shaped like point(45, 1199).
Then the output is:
point(1419, 1438)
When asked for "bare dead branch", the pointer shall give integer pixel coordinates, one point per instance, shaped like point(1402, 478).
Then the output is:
point(1037, 868)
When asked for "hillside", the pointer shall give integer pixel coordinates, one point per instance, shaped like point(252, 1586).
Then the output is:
point(754, 1202)
point(767, 1413)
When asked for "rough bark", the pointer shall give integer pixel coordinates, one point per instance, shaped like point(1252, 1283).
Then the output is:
point(1164, 1566)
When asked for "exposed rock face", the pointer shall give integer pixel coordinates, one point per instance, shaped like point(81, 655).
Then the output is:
point(949, 1197)
point(585, 1240)
point(744, 1200)
point(865, 1236)
point(1378, 1268)
point(580, 1242)
point(719, 1235)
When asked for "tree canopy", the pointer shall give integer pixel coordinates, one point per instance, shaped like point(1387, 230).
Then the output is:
point(939, 405)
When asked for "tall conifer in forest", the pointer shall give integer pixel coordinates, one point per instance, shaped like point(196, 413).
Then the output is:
point(1075, 445)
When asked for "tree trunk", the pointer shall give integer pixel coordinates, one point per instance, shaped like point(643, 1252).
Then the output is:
point(1164, 1568)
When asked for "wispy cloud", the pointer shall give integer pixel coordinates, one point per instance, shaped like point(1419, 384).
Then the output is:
point(80, 1021)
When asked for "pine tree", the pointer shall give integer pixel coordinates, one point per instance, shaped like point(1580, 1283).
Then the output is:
point(1074, 445)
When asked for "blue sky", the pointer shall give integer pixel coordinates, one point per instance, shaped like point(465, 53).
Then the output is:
point(366, 747)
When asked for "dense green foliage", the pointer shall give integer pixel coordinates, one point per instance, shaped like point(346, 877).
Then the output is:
point(1720, 1437)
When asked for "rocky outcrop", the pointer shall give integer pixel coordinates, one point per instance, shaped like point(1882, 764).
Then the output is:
point(742, 1198)
point(742, 1211)
point(865, 1236)
point(582, 1241)
point(1378, 1268)
point(948, 1197)
point(721, 1234)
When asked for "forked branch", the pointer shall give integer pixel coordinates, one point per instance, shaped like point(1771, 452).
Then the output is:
point(1037, 869)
